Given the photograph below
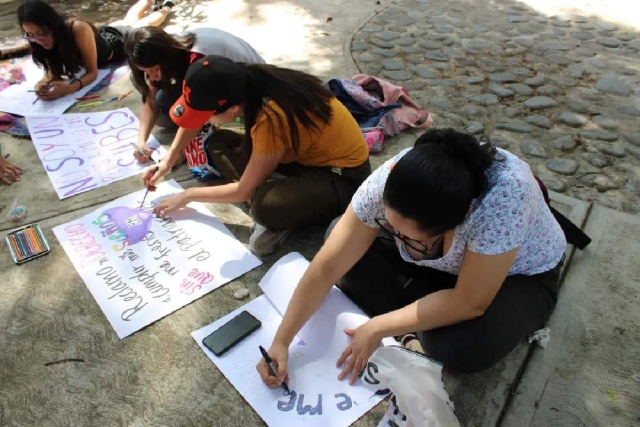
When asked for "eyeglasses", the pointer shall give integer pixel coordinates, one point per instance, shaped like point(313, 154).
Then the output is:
point(415, 245)
point(36, 38)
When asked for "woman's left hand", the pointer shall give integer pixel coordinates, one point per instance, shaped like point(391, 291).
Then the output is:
point(55, 89)
point(356, 355)
point(171, 204)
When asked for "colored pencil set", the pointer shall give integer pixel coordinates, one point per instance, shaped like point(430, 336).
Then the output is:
point(27, 243)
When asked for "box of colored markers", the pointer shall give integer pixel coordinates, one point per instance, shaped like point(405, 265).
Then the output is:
point(27, 243)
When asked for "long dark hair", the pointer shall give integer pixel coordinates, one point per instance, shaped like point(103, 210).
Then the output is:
point(435, 183)
point(64, 59)
point(151, 46)
point(299, 95)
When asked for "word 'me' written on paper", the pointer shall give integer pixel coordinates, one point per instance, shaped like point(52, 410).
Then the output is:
point(140, 268)
point(317, 397)
point(81, 152)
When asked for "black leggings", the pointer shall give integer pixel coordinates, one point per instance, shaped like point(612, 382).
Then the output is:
point(382, 282)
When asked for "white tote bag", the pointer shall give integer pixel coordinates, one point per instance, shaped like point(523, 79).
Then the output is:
point(415, 381)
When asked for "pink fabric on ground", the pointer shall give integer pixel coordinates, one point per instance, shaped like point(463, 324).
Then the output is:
point(410, 114)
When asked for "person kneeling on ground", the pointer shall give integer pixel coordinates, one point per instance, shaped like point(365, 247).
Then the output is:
point(159, 62)
point(451, 240)
point(293, 125)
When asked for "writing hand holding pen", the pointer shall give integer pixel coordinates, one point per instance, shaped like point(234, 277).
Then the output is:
point(279, 355)
point(142, 152)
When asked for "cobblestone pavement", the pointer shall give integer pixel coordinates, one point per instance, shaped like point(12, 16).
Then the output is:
point(561, 92)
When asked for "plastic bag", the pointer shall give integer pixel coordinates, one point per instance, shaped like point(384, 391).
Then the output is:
point(419, 397)
point(17, 212)
point(541, 336)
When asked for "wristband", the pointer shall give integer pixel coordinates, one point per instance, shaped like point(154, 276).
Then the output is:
point(79, 81)
point(168, 164)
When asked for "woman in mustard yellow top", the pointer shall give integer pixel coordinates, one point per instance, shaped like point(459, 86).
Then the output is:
point(293, 126)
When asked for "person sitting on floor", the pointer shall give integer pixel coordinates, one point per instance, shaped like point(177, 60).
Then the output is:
point(293, 125)
point(451, 240)
point(159, 62)
point(64, 44)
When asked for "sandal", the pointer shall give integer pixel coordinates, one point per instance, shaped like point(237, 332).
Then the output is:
point(411, 342)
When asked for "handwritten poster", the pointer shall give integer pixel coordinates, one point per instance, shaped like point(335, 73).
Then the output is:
point(84, 151)
point(140, 268)
point(317, 397)
point(16, 99)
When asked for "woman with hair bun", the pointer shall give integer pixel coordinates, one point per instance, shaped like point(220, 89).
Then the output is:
point(452, 241)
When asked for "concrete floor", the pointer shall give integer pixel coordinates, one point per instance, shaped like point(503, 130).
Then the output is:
point(159, 376)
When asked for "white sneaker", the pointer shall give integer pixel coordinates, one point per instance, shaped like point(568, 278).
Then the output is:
point(264, 241)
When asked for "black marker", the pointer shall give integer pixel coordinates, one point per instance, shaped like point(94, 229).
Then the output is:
point(273, 367)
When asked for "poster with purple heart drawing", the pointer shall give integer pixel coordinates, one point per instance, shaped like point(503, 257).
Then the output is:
point(84, 151)
point(140, 268)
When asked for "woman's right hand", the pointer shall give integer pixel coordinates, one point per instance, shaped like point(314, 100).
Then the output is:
point(42, 84)
point(9, 172)
point(143, 158)
point(153, 174)
point(280, 354)
point(54, 90)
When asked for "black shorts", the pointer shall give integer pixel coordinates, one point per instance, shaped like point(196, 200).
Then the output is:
point(115, 37)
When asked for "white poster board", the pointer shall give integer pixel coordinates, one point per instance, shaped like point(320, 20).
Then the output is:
point(140, 268)
point(317, 398)
point(88, 150)
point(16, 99)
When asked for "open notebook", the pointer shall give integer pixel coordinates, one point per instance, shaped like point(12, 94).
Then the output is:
point(317, 398)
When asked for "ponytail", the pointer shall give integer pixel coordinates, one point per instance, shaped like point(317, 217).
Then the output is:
point(301, 97)
point(435, 183)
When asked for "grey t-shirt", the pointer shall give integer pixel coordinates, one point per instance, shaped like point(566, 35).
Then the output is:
point(211, 41)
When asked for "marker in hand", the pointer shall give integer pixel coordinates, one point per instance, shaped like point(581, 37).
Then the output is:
point(148, 188)
point(44, 89)
point(273, 367)
point(140, 151)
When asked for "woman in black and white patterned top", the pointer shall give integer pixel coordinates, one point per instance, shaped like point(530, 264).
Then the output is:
point(451, 240)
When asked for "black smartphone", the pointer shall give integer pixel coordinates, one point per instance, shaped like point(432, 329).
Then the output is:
point(231, 333)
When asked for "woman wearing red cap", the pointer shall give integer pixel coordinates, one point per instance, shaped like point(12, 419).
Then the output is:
point(293, 125)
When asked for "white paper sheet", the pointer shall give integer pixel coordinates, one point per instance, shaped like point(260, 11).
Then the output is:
point(336, 312)
point(320, 399)
point(16, 99)
point(136, 282)
point(317, 399)
point(84, 151)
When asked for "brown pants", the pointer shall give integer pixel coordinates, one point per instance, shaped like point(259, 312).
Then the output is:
point(308, 195)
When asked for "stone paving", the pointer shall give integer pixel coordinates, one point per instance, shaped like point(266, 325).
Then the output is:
point(560, 91)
